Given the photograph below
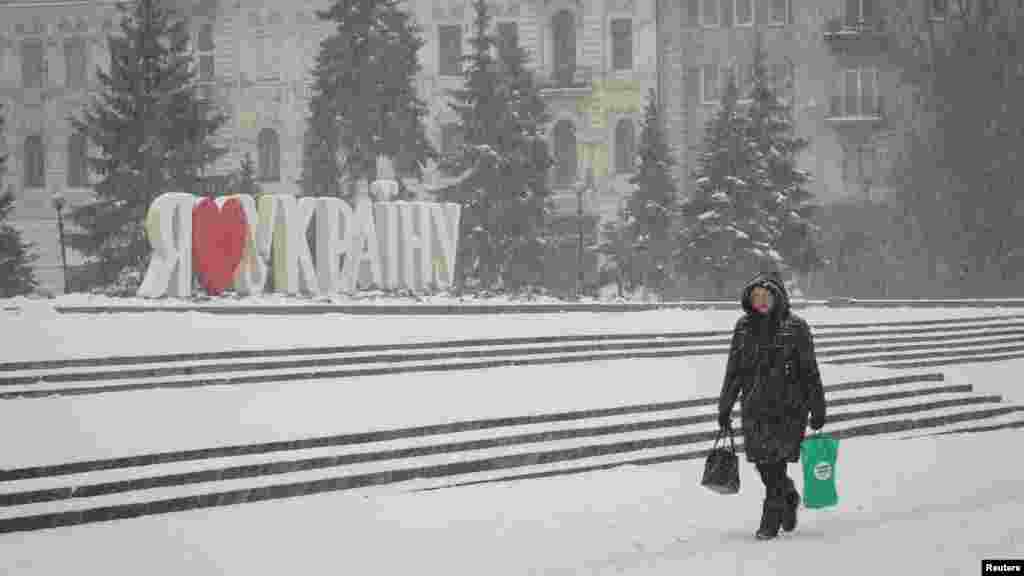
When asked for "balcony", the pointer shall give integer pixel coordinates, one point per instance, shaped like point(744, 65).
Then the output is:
point(857, 117)
point(576, 81)
point(858, 36)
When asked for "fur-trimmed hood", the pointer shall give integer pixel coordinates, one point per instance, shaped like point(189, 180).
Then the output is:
point(773, 282)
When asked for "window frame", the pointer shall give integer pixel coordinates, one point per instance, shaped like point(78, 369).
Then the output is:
point(40, 66)
point(34, 163)
point(448, 67)
point(565, 74)
point(500, 38)
point(716, 83)
point(77, 169)
point(736, 14)
point(572, 173)
point(615, 43)
point(704, 14)
point(205, 60)
point(627, 155)
point(268, 148)
point(843, 90)
point(787, 9)
point(75, 62)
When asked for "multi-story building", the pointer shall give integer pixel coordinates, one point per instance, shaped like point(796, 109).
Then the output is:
point(829, 59)
point(597, 60)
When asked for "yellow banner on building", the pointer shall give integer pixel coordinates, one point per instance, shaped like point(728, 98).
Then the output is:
point(611, 96)
point(248, 120)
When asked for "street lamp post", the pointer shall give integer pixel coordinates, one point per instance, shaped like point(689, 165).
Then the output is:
point(58, 205)
point(579, 246)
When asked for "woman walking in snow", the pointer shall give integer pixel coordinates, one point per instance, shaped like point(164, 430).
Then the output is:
point(774, 373)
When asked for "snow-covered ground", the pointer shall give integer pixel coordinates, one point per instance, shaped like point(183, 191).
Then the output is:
point(40, 333)
point(940, 505)
point(922, 506)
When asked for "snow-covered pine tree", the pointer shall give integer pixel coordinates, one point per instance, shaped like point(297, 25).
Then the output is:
point(529, 164)
point(723, 233)
point(616, 245)
point(788, 204)
point(654, 197)
point(152, 133)
point(365, 102)
point(16, 258)
point(481, 108)
point(503, 163)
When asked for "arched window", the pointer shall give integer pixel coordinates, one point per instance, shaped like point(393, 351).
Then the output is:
point(270, 156)
point(563, 33)
point(625, 146)
point(565, 154)
point(77, 169)
point(35, 162)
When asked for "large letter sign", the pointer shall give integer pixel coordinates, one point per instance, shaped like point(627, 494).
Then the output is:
point(238, 241)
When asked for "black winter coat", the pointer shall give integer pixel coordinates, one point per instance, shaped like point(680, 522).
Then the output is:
point(773, 371)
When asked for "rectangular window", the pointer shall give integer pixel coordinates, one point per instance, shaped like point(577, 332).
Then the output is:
point(851, 93)
point(744, 12)
point(693, 16)
point(206, 68)
point(780, 11)
point(857, 94)
point(508, 35)
point(77, 169)
point(726, 13)
point(204, 43)
point(32, 64)
point(709, 84)
point(868, 93)
point(74, 63)
point(857, 12)
point(449, 50)
point(709, 14)
point(622, 44)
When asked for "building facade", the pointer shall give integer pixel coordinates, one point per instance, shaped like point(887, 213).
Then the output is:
point(830, 59)
point(596, 59)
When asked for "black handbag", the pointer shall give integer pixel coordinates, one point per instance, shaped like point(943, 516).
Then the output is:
point(722, 467)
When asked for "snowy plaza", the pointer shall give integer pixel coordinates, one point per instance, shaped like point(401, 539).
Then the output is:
point(936, 503)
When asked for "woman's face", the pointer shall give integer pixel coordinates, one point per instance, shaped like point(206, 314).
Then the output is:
point(761, 299)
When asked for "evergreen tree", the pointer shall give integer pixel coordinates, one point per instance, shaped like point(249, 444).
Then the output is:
point(16, 258)
point(616, 245)
point(653, 200)
point(725, 234)
point(365, 102)
point(787, 203)
point(152, 133)
point(504, 162)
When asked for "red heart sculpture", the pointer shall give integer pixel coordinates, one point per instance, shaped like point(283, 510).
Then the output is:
point(218, 242)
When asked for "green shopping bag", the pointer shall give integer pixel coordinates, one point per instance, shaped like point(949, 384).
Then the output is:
point(818, 453)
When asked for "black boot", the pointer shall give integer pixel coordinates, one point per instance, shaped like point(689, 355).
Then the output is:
point(771, 519)
point(792, 504)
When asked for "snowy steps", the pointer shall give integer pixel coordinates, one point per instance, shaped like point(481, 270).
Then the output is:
point(913, 344)
point(454, 453)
